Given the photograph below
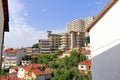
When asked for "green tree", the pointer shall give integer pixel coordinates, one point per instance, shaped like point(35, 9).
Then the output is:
point(35, 45)
point(58, 52)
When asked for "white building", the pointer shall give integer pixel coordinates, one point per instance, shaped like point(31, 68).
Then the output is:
point(4, 25)
point(76, 25)
point(105, 43)
point(85, 66)
point(13, 57)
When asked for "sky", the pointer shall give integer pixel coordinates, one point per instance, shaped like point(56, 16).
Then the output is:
point(31, 19)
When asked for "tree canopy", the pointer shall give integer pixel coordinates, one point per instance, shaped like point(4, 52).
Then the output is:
point(35, 45)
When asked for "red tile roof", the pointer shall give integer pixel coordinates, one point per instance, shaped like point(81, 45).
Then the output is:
point(10, 78)
point(34, 68)
point(87, 62)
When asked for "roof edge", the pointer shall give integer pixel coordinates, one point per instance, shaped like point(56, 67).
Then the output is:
point(102, 13)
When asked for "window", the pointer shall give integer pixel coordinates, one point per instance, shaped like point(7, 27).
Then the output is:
point(82, 66)
point(89, 67)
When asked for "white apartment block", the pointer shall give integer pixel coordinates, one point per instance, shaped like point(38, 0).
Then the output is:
point(76, 25)
point(65, 41)
point(88, 21)
point(13, 57)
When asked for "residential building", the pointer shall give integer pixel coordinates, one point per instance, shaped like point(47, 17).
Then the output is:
point(32, 72)
point(85, 66)
point(35, 50)
point(4, 24)
point(105, 43)
point(13, 57)
point(44, 46)
point(54, 40)
point(88, 21)
point(25, 62)
point(86, 53)
point(64, 41)
point(9, 78)
point(76, 25)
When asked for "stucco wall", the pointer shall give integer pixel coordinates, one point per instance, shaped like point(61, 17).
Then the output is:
point(105, 46)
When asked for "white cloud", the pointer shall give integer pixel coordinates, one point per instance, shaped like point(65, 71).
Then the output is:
point(21, 33)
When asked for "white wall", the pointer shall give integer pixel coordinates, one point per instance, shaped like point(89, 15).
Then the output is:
point(80, 67)
point(105, 48)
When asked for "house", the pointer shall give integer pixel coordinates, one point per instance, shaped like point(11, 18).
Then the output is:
point(31, 72)
point(86, 53)
point(85, 66)
point(9, 78)
point(105, 43)
point(4, 24)
point(13, 57)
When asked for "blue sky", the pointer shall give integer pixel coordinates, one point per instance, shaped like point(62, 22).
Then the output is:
point(30, 19)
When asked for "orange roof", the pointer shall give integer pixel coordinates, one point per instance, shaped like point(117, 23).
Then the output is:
point(87, 62)
point(37, 72)
point(11, 50)
point(103, 12)
point(34, 68)
point(15, 68)
point(10, 78)
point(85, 52)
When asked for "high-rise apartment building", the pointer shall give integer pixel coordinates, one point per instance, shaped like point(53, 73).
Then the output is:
point(65, 41)
point(76, 25)
point(88, 21)
point(44, 46)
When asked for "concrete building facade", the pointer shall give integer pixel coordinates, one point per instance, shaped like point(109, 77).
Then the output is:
point(13, 57)
point(76, 25)
point(64, 41)
point(88, 21)
point(44, 46)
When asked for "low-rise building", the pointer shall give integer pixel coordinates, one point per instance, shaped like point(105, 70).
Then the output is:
point(86, 53)
point(32, 72)
point(85, 66)
point(13, 57)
